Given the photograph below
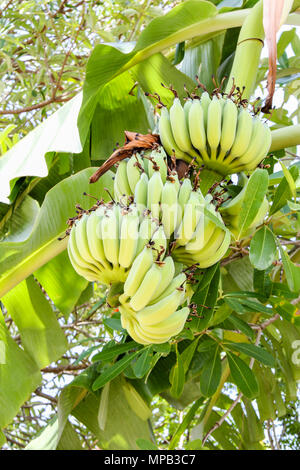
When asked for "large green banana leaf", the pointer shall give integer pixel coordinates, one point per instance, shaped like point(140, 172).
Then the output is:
point(20, 259)
point(61, 282)
point(41, 335)
point(19, 376)
point(120, 431)
point(58, 133)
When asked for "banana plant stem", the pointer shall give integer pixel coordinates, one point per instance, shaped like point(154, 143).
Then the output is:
point(284, 137)
point(247, 56)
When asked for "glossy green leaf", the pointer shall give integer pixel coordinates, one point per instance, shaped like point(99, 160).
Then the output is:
point(211, 374)
point(21, 259)
point(283, 192)
point(251, 350)
point(263, 248)
point(292, 271)
point(113, 371)
point(109, 352)
point(41, 335)
point(243, 376)
point(177, 376)
point(185, 423)
point(143, 363)
point(255, 192)
point(19, 377)
point(61, 282)
point(205, 300)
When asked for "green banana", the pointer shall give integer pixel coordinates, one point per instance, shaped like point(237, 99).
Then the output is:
point(147, 288)
point(167, 270)
point(229, 123)
point(243, 135)
point(197, 129)
point(134, 168)
point(155, 186)
point(128, 236)
point(169, 207)
point(205, 102)
point(167, 138)
point(138, 270)
point(190, 219)
point(214, 122)
point(180, 129)
point(140, 193)
point(161, 310)
point(121, 180)
point(110, 235)
point(159, 242)
point(258, 137)
point(160, 158)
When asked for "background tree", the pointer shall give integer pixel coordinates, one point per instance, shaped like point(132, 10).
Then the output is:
point(48, 51)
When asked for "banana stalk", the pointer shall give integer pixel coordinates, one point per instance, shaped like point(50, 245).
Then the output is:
point(247, 56)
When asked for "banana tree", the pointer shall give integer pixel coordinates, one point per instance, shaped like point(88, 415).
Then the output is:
point(239, 326)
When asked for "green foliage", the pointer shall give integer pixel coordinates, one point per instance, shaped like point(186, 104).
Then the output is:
point(242, 337)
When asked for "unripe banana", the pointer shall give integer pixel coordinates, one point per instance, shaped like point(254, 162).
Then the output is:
point(128, 236)
point(262, 154)
point(134, 169)
point(171, 326)
point(159, 243)
point(155, 187)
point(177, 282)
point(110, 235)
point(147, 288)
point(229, 122)
point(167, 270)
point(160, 158)
point(197, 128)
point(140, 193)
point(95, 241)
point(214, 123)
point(167, 138)
point(121, 180)
point(257, 142)
point(205, 102)
point(219, 253)
point(138, 270)
point(161, 310)
point(203, 233)
point(82, 270)
point(243, 135)
point(169, 207)
point(180, 129)
point(82, 243)
point(192, 213)
point(146, 231)
point(212, 246)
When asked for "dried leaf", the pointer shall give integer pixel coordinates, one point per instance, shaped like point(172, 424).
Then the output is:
point(133, 141)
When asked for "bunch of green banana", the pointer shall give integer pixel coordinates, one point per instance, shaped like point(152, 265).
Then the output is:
point(202, 237)
point(104, 243)
point(153, 292)
point(216, 132)
point(231, 209)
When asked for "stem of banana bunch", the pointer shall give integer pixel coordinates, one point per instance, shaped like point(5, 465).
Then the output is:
point(247, 55)
point(284, 137)
point(207, 179)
